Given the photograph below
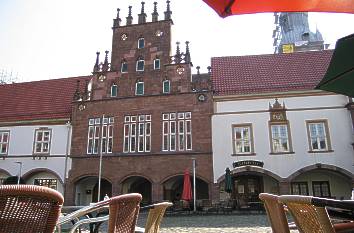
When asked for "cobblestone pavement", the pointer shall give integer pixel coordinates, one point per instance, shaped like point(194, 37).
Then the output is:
point(215, 224)
point(255, 223)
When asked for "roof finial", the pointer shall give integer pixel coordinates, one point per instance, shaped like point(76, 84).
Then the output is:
point(178, 54)
point(198, 68)
point(142, 15)
point(168, 12)
point(77, 94)
point(96, 67)
point(105, 66)
point(116, 21)
point(130, 17)
point(155, 15)
point(187, 57)
point(86, 92)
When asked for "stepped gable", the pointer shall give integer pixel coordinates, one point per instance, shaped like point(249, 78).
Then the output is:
point(258, 74)
point(39, 100)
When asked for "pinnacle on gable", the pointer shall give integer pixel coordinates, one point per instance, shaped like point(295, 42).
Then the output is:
point(117, 20)
point(168, 11)
point(96, 67)
point(187, 57)
point(142, 15)
point(181, 57)
point(155, 15)
point(130, 17)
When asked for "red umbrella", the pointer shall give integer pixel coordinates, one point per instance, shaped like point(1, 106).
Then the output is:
point(235, 7)
point(187, 188)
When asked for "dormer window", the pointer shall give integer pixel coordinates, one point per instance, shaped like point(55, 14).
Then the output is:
point(139, 88)
point(140, 64)
point(157, 64)
point(141, 43)
point(166, 86)
point(114, 90)
point(124, 67)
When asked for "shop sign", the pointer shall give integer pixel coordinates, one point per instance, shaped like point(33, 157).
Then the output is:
point(248, 163)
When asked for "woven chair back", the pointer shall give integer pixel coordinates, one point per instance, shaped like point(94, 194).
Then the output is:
point(275, 213)
point(155, 217)
point(308, 218)
point(123, 213)
point(29, 209)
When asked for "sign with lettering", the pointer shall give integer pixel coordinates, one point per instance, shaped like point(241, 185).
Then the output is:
point(248, 163)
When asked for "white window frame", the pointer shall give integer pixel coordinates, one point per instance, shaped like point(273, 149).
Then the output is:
point(243, 141)
point(123, 63)
point(177, 131)
point(318, 137)
point(279, 138)
point(163, 86)
point(3, 143)
point(157, 61)
point(107, 135)
point(136, 88)
point(102, 135)
point(143, 45)
point(95, 127)
point(116, 87)
point(137, 64)
point(137, 133)
point(42, 142)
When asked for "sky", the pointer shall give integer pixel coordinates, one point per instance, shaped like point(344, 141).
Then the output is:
point(47, 39)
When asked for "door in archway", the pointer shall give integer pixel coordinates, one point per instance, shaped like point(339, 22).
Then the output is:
point(247, 189)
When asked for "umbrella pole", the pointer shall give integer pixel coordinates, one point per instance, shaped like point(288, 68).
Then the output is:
point(194, 194)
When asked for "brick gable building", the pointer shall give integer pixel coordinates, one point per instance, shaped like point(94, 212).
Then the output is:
point(148, 115)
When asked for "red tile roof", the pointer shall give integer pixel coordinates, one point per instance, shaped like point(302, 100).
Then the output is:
point(39, 100)
point(269, 73)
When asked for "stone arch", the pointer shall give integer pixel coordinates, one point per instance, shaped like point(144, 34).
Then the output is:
point(135, 174)
point(252, 169)
point(39, 170)
point(4, 172)
point(329, 167)
point(85, 189)
point(173, 186)
point(181, 174)
point(83, 176)
point(137, 183)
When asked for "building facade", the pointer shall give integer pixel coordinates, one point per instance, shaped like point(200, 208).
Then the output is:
point(275, 133)
point(145, 115)
point(35, 131)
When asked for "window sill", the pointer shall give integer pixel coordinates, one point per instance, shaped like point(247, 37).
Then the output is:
point(249, 154)
point(320, 151)
point(282, 153)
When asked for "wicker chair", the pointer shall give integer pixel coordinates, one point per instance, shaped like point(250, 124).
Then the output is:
point(156, 213)
point(29, 209)
point(313, 218)
point(275, 213)
point(123, 213)
point(308, 218)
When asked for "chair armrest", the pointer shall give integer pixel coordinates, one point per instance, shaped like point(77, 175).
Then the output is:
point(83, 211)
point(87, 221)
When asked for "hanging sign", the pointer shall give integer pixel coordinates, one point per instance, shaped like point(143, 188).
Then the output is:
point(248, 163)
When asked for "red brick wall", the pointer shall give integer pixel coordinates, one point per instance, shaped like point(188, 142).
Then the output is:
point(156, 166)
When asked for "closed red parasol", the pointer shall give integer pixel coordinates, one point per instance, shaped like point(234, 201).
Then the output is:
point(235, 7)
point(187, 188)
